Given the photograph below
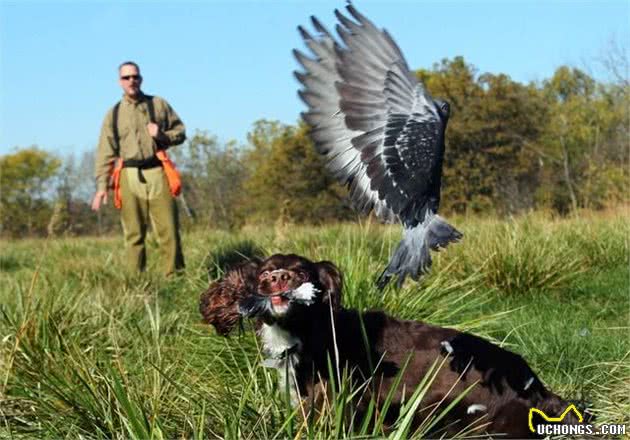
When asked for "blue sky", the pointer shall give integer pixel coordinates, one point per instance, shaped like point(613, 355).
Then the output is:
point(223, 65)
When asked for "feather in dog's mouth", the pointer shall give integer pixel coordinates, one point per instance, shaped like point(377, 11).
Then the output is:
point(277, 304)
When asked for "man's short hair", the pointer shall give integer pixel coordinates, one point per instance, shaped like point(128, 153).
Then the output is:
point(129, 63)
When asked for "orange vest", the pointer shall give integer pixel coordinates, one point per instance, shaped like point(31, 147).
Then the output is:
point(172, 176)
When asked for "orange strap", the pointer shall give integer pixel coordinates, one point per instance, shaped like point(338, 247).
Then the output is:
point(172, 175)
point(116, 183)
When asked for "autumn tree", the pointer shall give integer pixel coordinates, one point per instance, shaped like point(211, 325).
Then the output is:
point(213, 175)
point(74, 188)
point(580, 142)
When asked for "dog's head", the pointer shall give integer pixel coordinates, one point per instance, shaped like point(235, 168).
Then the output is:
point(286, 283)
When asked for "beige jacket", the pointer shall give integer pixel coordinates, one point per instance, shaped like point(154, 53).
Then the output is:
point(135, 141)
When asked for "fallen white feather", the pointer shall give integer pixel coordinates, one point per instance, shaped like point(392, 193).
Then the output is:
point(476, 407)
point(447, 346)
point(528, 383)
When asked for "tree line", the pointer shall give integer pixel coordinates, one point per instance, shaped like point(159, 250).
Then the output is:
point(560, 144)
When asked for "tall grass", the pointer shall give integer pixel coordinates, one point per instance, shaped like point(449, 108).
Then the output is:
point(89, 350)
point(538, 253)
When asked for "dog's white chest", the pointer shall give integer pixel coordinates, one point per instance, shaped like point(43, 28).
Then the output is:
point(280, 347)
point(276, 340)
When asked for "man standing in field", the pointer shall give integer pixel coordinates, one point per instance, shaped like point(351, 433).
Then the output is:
point(134, 135)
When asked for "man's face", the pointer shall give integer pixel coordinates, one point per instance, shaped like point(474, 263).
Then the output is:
point(130, 80)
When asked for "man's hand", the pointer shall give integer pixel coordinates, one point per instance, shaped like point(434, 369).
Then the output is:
point(154, 129)
point(99, 198)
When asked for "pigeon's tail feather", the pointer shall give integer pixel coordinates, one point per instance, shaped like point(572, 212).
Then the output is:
point(440, 233)
point(412, 256)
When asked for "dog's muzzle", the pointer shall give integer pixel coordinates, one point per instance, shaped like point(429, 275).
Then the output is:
point(258, 305)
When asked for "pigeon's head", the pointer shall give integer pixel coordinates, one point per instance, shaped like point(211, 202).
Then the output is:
point(443, 108)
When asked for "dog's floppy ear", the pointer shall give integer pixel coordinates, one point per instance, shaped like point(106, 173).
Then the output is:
point(330, 278)
point(219, 304)
point(247, 273)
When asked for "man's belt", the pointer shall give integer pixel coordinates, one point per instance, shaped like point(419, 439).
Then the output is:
point(142, 164)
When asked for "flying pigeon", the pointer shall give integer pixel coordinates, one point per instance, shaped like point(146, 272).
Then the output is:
point(381, 133)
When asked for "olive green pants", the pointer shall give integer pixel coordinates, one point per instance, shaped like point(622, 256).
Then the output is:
point(149, 202)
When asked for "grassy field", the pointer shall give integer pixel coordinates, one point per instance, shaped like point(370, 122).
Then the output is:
point(89, 350)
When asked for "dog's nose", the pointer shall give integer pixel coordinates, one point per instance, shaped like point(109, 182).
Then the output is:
point(280, 277)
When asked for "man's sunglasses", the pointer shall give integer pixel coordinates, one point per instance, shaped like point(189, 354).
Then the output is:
point(128, 77)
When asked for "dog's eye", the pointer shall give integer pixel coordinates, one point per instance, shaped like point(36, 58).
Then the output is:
point(303, 276)
point(264, 275)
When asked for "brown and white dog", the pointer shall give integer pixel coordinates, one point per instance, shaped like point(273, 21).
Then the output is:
point(302, 326)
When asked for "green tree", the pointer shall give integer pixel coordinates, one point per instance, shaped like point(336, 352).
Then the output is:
point(287, 177)
point(26, 189)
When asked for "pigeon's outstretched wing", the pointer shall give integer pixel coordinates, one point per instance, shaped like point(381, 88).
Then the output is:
point(380, 130)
